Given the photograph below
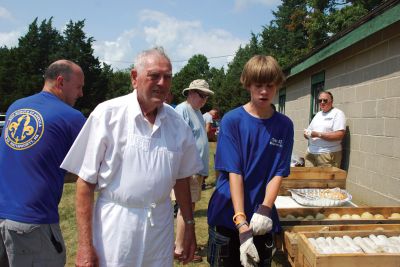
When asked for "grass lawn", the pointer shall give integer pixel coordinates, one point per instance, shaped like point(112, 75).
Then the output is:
point(68, 225)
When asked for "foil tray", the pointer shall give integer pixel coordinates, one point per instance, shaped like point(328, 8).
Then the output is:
point(314, 197)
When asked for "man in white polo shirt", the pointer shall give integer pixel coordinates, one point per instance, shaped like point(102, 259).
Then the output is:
point(325, 134)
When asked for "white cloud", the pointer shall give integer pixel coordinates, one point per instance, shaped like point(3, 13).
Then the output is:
point(118, 53)
point(5, 14)
point(183, 39)
point(243, 4)
point(9, 39)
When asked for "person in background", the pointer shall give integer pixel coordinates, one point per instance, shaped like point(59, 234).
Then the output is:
point(196, 97)
point(38, 133)
point(325, 134)
point(134, 149)
point(210, 119)
point(169, 98)
point(253, 156)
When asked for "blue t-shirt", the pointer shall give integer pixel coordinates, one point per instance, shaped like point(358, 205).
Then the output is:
point(257, 149)
point(38, 133)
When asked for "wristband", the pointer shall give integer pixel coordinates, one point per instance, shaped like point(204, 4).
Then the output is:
point(241, 224)
point(243, 237)
point(238, 214)
point(264, 210)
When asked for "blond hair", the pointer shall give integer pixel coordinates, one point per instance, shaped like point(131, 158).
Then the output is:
point(262, 69)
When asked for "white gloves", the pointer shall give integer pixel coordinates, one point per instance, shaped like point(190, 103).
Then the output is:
point(307, 132)
point(261, 222)
point(248, 252)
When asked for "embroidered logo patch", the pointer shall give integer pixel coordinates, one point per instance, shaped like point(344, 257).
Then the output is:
point(24, 129)
point(276, 142)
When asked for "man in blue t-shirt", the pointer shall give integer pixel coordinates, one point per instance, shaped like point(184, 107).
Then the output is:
point(253, 155)
point(38, 133)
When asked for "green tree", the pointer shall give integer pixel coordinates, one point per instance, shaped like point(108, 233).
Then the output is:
point(232, 93)
point(196, 68)
point(78, 48)
point(8, 70)
point(119, 83)
point(34, 53)
point(285, 38)
point(216, 79)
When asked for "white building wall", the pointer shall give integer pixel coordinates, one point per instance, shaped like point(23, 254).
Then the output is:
point(365, 83)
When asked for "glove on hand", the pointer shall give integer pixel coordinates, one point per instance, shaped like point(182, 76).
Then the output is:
point(307, 132)
point(248, 252)
point(261, 222)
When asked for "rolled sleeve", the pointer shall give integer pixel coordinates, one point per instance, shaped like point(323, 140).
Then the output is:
point(87, 152)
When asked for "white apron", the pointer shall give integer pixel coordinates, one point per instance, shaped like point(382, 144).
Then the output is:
point(133, 217)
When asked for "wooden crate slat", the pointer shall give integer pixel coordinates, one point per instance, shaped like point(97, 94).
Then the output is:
point(307, 255)
point(313, 177)
point(291, 234)
point(316, 173)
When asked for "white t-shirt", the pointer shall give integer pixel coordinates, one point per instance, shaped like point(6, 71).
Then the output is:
point(331, 121)
point(207, 118)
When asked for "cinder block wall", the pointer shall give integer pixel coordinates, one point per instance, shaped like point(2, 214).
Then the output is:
point(365, 82)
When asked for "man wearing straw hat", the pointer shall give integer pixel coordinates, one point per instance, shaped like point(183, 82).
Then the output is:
point(196, 97)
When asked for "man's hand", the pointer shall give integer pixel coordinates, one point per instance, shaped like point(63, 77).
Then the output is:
point(86, 257)
point(261, 222)
point(307, 133)
point(189, 244)
point(248, 252)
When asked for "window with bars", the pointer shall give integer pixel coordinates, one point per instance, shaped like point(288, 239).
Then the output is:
point(282, 100)
point(317, 85)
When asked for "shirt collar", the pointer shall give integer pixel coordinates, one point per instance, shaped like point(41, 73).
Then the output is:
point(137, 111)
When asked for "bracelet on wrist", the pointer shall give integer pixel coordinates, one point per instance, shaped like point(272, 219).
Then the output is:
point(241, 224)
point(238, 214)
point(190, 222)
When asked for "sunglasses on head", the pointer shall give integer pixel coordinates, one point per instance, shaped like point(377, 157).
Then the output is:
point(324, 100)
point(202, 95)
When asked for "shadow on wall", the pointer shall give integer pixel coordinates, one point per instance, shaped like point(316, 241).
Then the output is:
point(346, 150)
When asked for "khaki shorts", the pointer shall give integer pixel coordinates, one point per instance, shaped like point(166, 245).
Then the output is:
point(332, 159)
point(31, 244)
point(195, 188)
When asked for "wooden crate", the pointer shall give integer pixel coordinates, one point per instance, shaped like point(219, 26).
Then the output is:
point(307, 256)
point(291, 234)
point(303, 212)
point(313, 177)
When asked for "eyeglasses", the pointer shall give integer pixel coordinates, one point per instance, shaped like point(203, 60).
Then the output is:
point(324, 101)
point(203, 96)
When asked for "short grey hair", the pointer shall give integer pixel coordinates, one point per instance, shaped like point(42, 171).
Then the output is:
point(140, 59)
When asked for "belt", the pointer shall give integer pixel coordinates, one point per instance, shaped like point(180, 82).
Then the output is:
point(148, 207)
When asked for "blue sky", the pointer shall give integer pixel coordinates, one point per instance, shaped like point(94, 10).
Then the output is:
point(122, 28)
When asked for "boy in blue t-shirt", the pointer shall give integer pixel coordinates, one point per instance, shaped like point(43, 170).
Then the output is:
point(253, 155)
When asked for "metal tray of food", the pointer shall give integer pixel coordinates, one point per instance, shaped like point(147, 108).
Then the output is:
point(318, 197)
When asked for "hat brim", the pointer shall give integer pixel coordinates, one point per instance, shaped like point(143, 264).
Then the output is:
point(205, 90)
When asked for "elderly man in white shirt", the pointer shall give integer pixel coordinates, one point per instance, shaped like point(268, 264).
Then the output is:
point(325, 134)
point(134, 149)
